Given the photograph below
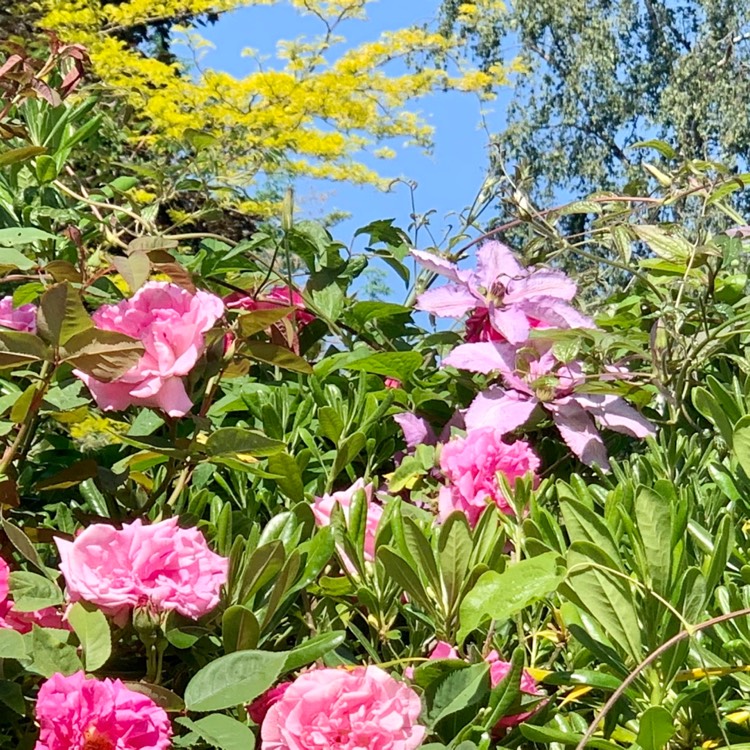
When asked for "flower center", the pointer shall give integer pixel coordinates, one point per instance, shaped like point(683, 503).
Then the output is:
point(93, 740)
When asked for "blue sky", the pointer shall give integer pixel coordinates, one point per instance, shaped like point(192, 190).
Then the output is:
point(447, 180)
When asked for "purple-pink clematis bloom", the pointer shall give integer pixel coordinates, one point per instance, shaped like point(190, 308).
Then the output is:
point(505, 299)
point(544, 381)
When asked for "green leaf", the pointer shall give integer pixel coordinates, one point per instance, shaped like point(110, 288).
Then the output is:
point(654, 520)
point(373, 310)
point(12, 696)
point(454, 553)
point(163, 697)
point(583, 525)
point(92, 629)
point(670, 247)
point(199, 139)
point(240, 630)
point(50, 652)
point(605, 596)
point(403, 573)
point(46, 169)
point(399, 365)
point(221, 731)
point(258, 321)
point(61, 314)
point(500, 595)
point(147, 244)
point(12, 645)
point(661, 146)
point(347, 452)
point(229, 441)
point(25, 546)
point(24, 153)
point(32, 592)
point(741, 443)
point(18, 348)
point(656, 728)
point(288, 475)
point(279, 356)
point(455, 700)
point(23, 236)
point(105, 355)
point(10, 259)
point(134, 268)
point(313, 649)
point(331, 425)
point(548, 735)
point(233, 679)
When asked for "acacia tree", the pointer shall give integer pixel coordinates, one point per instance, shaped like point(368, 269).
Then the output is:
point(601, 76)
point(314, 111)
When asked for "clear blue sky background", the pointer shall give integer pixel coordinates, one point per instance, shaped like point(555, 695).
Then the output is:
point(448, 179)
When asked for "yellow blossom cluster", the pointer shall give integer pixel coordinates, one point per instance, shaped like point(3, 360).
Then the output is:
point(314, 110)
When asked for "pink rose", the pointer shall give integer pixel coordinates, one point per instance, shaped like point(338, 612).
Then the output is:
point(470, 466)
point(159, 565)
point(258, 709)
point(170, 322)
point(76, 713)
point(278, 296)
point(323, 507)
point(11, 619)
point(21, 318)
point(342, 709)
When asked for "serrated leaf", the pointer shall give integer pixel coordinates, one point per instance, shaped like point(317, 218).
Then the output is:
point(134, 268)
point(18, 348)
point(32, 592)
point(258, 321)
point(233, 679)
point(105, 355)
point(61, 314)
point(273, 354)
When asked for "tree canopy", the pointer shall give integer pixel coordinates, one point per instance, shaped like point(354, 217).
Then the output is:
point(601, 76)
point(315, 110)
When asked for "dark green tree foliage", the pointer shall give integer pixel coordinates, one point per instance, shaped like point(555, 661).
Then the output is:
point(604, 75)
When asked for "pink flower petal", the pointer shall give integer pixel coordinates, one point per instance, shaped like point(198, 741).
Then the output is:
point(579, 432)
point(483, 356)
point(615, 414)
point(449, 301)
point(511, 322)
point(540, 284)
point(417, 430)
point(503, 410)
point(438, 265)
point(495, 260)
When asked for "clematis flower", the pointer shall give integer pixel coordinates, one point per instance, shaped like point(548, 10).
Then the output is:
point(470, 466)
point(159, 565)
point(21, 318)
point(543, 381)
point(499, 670)
point(22, 622)
point(170, 322)
point(80, 713)
point(505, 299)
point(342, 709)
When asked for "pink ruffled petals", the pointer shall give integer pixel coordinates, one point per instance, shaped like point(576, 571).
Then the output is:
point(162, 565)
point(76, 713)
